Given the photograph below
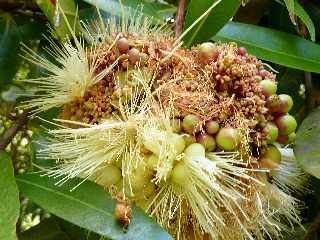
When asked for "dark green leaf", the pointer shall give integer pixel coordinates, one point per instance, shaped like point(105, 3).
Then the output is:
point(155, 10)
point(9, 48)
point(9, 195)
point(307, 148)
point(211, 23)
point(298, 10)
point(55, 15)
point(274, 46)
point(88, 206)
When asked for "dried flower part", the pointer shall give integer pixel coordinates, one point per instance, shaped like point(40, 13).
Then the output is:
point(189, 135)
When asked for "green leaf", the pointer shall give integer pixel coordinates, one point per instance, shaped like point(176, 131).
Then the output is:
point(88, 206)
point(9, 49)
point(290, 4)
point(211, 23)
point(9, 195)
point(303, 15)
point(274, 46)
point(307, 148)
point(157, 11)
point(55, 17)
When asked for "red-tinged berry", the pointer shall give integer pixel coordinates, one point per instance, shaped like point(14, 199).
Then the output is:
point(134, 55)
point(268, 87)
point(123, 214)
point(270, 158)
point(242, 51)
point(271, 131)
point(273, 104)
point(228, 139)
point(212, 127)
point(263, 73)
point(123, 45)
point(190, 123)
point(283, 139)
point(286, 124)
point(207, 51)
point(286, 103)
point(207, 141)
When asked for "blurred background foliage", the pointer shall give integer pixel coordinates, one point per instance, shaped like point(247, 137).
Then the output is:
point(284, 33)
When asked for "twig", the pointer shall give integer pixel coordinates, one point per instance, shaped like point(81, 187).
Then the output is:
point(12, 131)
point(312, 228)
point(180, 18)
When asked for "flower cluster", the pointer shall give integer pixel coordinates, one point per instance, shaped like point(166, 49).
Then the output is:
point(195, 136)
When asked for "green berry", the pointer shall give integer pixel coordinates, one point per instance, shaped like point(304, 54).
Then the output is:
point(189, 139)
point(178, 142)
point(207, 141)
point(212, 127)
point(292, 137)
point(271, 158)
point(195, 149)
point(228, 138)
point(286, 103)
point(268, 87)
point(180, 174)
point(207, 51)
point(139, 179)
point(190, 123)
point(271, 131)
point(286, 124)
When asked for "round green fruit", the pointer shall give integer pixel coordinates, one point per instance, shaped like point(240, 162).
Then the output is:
point(286, 124)
point(271, 131)
point(190, 123)
point(207, 51)
point(109, 175)
point(178, 142)
point(286, 103)
point(195, 149)
point(273, 103)
point(207, 141)
point(228, 138)
point(189, 139)
point(268, 87)
point(180, 174)
point(271, 158)
point(212, 127)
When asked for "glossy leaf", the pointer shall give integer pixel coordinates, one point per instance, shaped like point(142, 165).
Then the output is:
point(155, 10)
point(9, 195)
point(307, 148)
point(9, 48)
point(303, 15)
point(274, 46)
point(54, 14)
point(211, 23)
point(88, 206)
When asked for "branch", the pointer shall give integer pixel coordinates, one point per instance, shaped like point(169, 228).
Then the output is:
point(180, 18)
point(21, 120)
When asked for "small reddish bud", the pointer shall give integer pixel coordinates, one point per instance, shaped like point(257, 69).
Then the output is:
point(242, 51)
point(122, 45)
point(123, 214)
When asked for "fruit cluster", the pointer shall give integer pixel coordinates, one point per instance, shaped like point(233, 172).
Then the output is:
point(189, 135)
